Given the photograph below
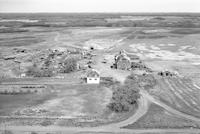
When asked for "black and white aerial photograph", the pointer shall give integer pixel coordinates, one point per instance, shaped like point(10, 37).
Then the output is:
point(99, 66)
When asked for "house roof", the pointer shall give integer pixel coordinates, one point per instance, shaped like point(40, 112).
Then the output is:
point(133, 57)
point(93, 73)
point(122, 57)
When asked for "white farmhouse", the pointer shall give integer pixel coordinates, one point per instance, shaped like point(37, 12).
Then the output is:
point(93, 77)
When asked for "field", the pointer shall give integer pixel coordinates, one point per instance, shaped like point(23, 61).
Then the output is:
point(180, 94)
point(161, 41)
point(157, 117)
point(71, 102)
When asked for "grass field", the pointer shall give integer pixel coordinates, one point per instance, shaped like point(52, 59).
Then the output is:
point(85, 101)
point(157, 117)
point(180, 94)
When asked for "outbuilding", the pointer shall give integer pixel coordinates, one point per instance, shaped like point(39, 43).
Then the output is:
point(122, 61)
point(93, 77)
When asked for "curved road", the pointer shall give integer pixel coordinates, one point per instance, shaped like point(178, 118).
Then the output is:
point(142, 109)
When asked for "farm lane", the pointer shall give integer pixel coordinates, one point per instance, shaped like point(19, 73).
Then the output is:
point(142, 110)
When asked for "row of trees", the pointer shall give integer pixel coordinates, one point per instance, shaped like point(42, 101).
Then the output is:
point(48, 69)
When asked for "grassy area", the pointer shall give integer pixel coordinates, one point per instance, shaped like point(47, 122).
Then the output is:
point(10, 103)
point(20, 42)
point(82, 104)
point(157, 117)
point(179, 94)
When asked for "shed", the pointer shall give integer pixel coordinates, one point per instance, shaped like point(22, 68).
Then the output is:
point(93, 77)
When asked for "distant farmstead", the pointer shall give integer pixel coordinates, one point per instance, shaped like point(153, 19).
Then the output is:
point(93, 77)
point(167, 73)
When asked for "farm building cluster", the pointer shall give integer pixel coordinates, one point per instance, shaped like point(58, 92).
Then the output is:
point(93, 77)
point(167, 73)
point(125, 61)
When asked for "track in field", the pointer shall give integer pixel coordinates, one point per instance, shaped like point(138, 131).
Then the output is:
point(179, 93)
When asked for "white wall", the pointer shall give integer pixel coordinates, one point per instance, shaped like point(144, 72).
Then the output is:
point(91, 80)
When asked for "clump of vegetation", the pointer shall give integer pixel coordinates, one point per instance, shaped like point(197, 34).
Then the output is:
point(34, 133)
point(158, 18)
point(69, 65)
point(35, 71)
point(145, 81)
point(7, 132)
point(108, 81)
point(125, 97)
point(46, 123)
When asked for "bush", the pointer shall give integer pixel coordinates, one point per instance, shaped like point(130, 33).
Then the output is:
point(108, 81)
point(124, 98)
point(145, 81)
point(69, 65)
point(34, 133)
point(159, 18)
point(32, 70)
point(40, 72)
point(46, 123)
point(47, 72)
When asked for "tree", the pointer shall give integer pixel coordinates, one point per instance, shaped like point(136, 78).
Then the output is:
point(145, 81)
point(69, 65)
point(35, 71)
point(124, 98)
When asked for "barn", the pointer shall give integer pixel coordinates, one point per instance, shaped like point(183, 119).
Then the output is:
point(122, 61)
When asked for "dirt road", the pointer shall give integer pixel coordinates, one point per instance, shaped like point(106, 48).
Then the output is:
point(142, 109)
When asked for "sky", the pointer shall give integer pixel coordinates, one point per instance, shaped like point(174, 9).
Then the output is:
point(99, 5)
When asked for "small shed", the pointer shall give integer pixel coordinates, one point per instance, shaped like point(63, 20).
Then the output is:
point(93, 77)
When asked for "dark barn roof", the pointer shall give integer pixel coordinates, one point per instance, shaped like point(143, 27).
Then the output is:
point(93, 73)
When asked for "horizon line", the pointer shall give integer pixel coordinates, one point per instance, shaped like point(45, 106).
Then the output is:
point(111, 12)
